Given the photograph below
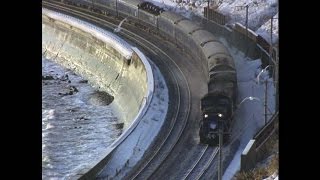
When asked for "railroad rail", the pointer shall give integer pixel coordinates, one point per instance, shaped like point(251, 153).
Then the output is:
point(202, 164)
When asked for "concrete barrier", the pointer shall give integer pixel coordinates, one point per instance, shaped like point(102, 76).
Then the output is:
point(248, 156)
point(256, 148)
point(242, 29)
point(108, 63)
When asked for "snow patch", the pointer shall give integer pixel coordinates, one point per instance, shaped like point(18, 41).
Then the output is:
point(259, 12)
point(249, 116)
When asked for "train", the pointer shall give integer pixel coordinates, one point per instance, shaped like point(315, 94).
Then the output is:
point(217, 106)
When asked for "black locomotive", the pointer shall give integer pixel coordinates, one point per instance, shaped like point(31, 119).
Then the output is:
point(217, 106)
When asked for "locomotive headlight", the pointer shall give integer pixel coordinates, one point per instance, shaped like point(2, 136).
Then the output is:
point(205, 115)
point(220, 115)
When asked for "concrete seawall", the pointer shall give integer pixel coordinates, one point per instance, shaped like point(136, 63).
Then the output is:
point(109, 63)
point(106, 61)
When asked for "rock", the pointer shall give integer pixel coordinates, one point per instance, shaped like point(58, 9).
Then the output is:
point(101, 98)
point(65, 77)
point(83, 81)
point(73, 89)
point(45, 77)
point(71, 110)
point(82, 118)
point(119, 125)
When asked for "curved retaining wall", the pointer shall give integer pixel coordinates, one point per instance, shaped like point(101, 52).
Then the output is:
point(108, 62)
point(234, 38)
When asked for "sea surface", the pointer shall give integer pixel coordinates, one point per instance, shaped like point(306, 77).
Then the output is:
point(77, 123)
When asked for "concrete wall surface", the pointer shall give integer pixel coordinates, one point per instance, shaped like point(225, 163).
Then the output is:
point(121, 74)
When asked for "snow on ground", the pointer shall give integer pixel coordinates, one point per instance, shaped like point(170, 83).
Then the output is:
point(265, 30)
point(250, 114)
point(259, 12)
point(133, 147)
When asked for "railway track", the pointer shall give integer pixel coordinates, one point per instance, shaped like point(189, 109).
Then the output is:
point(167, 139)
point(202, 164)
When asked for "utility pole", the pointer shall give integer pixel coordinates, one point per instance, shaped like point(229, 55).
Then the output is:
point(117, 8)
point(220, 150)
point(271, 57)
point(271, 45)
point(220, 132)
point(266, 103)
point(247, 7)
point(247, 12)
point(246, 24)
point(275, 62)
point(271, 32)
point(208, 10)
point(277, 81)
point(92, 5)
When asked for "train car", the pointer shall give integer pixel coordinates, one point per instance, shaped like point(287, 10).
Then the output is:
point(166, 24)
point(201, 37)
point(184, 30)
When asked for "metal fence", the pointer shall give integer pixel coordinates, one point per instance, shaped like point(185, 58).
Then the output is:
point(214, 16)
point(263, 135)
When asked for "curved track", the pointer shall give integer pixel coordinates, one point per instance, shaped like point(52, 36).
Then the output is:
point(175, 154)
point(202, 164)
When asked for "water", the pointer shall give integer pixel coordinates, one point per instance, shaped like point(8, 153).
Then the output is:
point(77, 123)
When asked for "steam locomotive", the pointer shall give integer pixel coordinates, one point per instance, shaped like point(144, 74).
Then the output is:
point(217, 106)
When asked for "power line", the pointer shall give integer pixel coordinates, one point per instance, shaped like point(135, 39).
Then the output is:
point(276, 61)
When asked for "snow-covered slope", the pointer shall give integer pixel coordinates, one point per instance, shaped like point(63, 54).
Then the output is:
point(259, 12)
